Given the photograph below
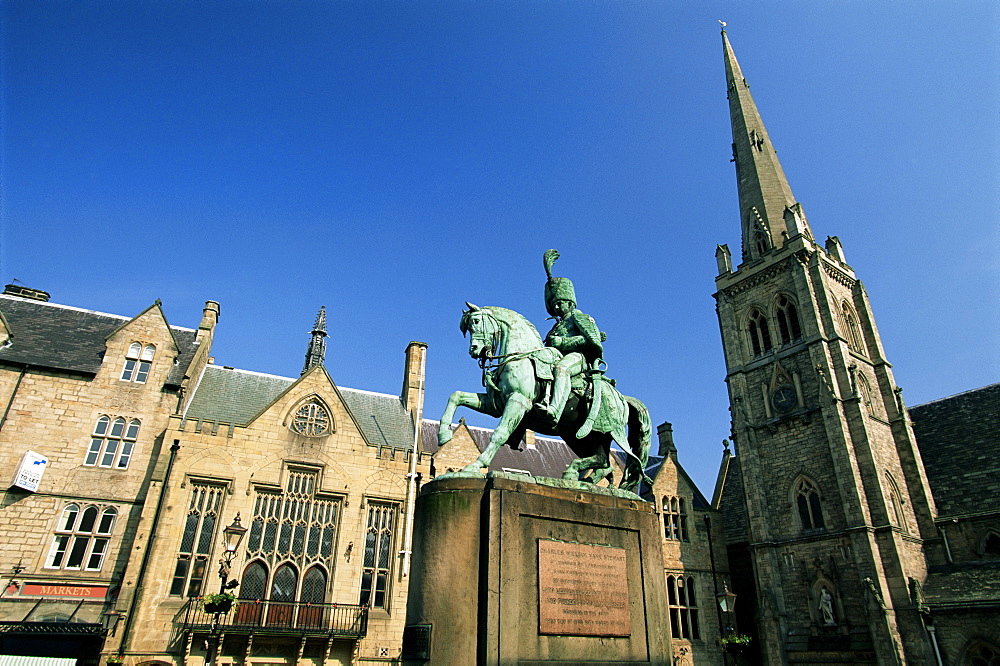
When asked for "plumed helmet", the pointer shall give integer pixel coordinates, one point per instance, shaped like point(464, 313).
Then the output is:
point(556, 288)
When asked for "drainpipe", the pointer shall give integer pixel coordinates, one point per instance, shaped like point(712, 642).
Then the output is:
point(411, 487)
point(715, 584)
point(10, 400)
point(127, 631)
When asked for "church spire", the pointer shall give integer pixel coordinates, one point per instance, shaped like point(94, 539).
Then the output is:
point(768, 208)
point(317, 344)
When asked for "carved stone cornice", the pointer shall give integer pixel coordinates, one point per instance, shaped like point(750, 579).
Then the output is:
point(756, 279)
point(839, 275)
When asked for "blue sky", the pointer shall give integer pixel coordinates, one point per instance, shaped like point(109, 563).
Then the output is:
point(393, 160)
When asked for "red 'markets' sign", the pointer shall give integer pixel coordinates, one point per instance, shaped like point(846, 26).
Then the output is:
point(56, 590)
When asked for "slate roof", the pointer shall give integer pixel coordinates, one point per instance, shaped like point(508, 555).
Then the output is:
point(61, 337)
point(228, 395)
point(957, 437)
point(963, 585)
point(732, 507)
point(550, 457)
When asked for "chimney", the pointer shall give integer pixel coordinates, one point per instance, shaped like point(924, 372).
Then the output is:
point(413, 376)
point(209, 318)
point(26, 292)
point(665, 431)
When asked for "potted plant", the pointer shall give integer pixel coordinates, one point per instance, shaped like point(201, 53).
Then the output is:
point(218, 603)
point(114, 660)
point(734, 643)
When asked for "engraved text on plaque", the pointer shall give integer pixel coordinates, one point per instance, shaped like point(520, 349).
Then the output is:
point(582, 590)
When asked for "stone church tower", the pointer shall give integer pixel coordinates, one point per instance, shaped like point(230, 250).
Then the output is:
point(834, 508)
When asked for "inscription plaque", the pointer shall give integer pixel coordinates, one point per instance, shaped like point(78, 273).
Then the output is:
point(582, 590)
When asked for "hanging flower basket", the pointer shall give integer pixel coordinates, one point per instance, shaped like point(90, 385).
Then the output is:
point(735, 643)
point(218, 603)
point(114, 660)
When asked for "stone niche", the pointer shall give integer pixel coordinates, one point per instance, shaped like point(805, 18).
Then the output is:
point(509, 570)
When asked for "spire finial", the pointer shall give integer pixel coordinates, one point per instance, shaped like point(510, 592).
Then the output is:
point(316, 352)
point(723, 24)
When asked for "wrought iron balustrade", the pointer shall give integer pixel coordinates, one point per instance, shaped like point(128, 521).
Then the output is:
point(282, 617)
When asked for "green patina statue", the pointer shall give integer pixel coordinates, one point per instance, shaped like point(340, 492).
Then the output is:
point(556, 388)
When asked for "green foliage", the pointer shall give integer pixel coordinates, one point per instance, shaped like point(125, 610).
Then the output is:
point(735, 639)
point(226, 600)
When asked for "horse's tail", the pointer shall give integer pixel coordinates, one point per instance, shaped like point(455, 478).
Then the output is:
point(640, 433)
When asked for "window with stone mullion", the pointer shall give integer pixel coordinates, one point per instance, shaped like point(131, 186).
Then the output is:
point(197, 539)
point(377, 561)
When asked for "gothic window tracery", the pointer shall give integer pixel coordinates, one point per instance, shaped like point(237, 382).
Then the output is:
point(760, 334)
point(197, 539)
point(982, 653)
point(896, 515)
point(377, 564)
point(851, 329)
point(807, 503)
point(788, 320)
point(311, 419)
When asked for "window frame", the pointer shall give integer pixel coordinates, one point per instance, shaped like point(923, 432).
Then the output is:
point(808, 503)
point(675, 527)
point(197, 543)
point(786, 314)
point(379, 537)
point(112, 443)
point(758, 332)
point(82, 537)
point(138, 362)
point(682, 608)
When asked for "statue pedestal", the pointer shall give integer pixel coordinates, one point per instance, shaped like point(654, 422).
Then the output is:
point(507, 570)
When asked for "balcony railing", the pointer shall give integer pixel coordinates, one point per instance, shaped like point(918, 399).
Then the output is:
point(283, 617)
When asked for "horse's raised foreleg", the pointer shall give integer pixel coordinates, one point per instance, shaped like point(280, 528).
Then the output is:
point(517, 406)
point(479, 402)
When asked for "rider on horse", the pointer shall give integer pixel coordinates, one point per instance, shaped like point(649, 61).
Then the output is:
point(575, 335)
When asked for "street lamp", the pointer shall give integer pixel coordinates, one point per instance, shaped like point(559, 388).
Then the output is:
point(727, 602)
point(231, 538)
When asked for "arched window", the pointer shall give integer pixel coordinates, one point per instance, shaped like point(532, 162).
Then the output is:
point(981, 653)
point(112, 443)
point(807, 501)
point(851, 330)
point(314, 586)
point(81, 539)
point(138, 360)
point(865, 393)
point(283, 586)
point(788, 320)
point(254, 582)
point(683, 606)
point(895, 500)
point(377, 564)
point(989, 545)
point(197, 538)
point(760, 335)
point(674, 519)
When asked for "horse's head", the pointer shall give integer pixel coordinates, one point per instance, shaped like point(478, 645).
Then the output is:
point(482, 328)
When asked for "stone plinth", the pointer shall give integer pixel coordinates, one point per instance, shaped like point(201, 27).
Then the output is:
point(508, 570)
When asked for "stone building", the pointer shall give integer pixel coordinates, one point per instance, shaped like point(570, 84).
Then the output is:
point(834, 536)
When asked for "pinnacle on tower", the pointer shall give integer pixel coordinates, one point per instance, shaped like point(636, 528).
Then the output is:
point(316, 352)
point(768, 209)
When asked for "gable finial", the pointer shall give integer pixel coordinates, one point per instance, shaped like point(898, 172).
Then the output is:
point(316, 352)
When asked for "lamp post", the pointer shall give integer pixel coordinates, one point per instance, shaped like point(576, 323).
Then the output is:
point(727, 603)
point(231, 538)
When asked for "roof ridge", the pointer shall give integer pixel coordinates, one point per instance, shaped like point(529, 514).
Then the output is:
point(378, 393)
point(545, 438)
point(949, 397)
point(246, 372)
point(76, 309)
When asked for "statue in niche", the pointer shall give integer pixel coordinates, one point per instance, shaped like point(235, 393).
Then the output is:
point(826, 607)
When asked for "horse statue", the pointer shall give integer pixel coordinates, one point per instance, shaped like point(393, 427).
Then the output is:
point(515, 365)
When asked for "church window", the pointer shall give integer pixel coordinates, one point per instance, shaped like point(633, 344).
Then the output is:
point(760, 335)
point(896, 515)
point(138, 360)
point(982, 653)
point(82, 537)
point(851, 329)
point(112, 443)
point(197, 539)
point(377, 564)
point(865, 393)
point(311, 419)
point(989, 547)
point(788, 320)
point(807, 501)
point(675, 526)
point(683, 606)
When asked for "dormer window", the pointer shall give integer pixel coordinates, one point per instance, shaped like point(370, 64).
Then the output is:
point(138, 360)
